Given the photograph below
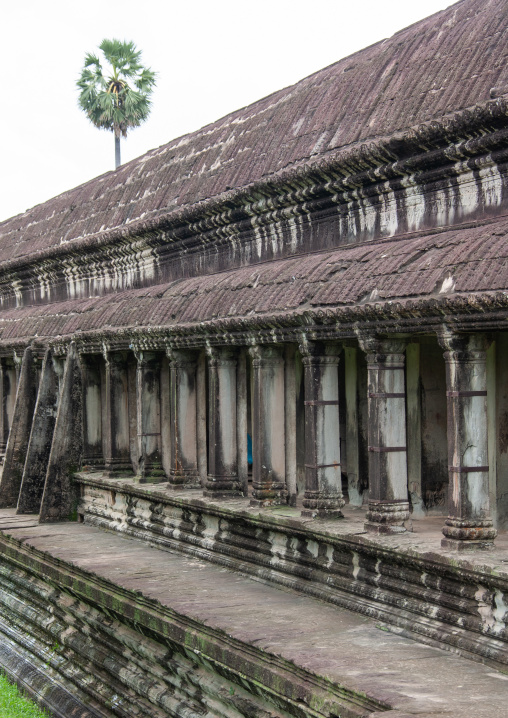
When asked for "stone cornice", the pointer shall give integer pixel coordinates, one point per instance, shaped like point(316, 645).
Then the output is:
point(485, 312)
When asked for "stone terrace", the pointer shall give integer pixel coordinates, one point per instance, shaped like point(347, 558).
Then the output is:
point(403, 677)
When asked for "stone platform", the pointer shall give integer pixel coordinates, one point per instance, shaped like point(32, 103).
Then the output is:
point(408, 581)
point(233, 634)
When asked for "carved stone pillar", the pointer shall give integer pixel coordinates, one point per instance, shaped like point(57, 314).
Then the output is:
point(116, 415)
point(93, 457)
point(183, 472)
point(148, 409)
point(468, 525)
point(268, 441)
point(388, 492)
point(323, 481)
point(8, 399)
point(222, 479)
point(4, 429)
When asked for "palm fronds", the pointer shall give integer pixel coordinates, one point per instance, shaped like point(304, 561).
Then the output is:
point(115, 94)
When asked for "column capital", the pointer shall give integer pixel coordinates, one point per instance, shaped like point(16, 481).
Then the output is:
point(377, 346)
point(145, 356)
point(221, 355)
point(266, 354)
point(112, 355)
point(17, 359)
point(181, 357)
point(310, 349)
point(462, 347)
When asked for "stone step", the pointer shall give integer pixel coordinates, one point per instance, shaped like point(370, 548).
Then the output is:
point(283, 627)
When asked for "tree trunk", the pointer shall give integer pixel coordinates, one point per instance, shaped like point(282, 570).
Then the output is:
point(117, 152)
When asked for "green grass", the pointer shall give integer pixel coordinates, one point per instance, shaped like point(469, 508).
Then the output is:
point(14, 705)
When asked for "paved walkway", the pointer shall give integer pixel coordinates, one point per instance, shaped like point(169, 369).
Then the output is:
point(416, 680)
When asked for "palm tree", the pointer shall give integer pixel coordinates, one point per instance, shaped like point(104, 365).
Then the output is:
point(117, 96)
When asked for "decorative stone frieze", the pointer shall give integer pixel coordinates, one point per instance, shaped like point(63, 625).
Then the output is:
point(222, 478)
point(323, 482)
point(387, 450)
point(469, 525)
point(268, 440)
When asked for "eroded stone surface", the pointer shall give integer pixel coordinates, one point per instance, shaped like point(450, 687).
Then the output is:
point(324, 640)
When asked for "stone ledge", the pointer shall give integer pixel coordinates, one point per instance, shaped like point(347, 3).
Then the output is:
point(439, 598)
point(120, 636)
point(121, 619)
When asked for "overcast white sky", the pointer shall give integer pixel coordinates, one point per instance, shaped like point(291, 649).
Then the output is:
point(212, 57)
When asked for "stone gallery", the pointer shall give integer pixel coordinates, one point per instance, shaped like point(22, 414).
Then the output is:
point(254, 404)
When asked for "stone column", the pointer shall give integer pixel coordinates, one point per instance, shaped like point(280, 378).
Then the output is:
point(290, 421)
point(166, 430)
point(201, 429)
point(222, 479)
point(352, 428)
point(241, 421)
point(59, 497)
point(93, 457)
point(268, 430)
point(148, 409)
point(4, 429)
point(183, 471)
point(19, 435)
point(41, 438)
point(469, 525)
point(323, 482)
point(414, 429)
point(116, 420)
point(388, 492)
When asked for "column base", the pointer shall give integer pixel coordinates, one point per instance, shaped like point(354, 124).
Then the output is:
point(117, 469)
point(385, 529)
point(275, 501)
point(149, 478)
point(468, 535)
point(183, 480)
point(387, 517)
point(269, 495)
point(322, 513)
point(318, 505)
point(222, 486)
point(458, 545)
point(90, 463)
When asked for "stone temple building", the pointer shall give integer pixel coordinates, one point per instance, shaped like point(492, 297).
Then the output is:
point(277, 349)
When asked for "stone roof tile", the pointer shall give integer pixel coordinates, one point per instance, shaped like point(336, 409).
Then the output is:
point(444, 63)
point(470, 259)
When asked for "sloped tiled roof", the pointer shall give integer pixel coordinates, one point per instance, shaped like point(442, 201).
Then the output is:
point(444, 63)
point(460, 260)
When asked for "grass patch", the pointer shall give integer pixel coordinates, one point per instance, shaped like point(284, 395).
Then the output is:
point(14, 705)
